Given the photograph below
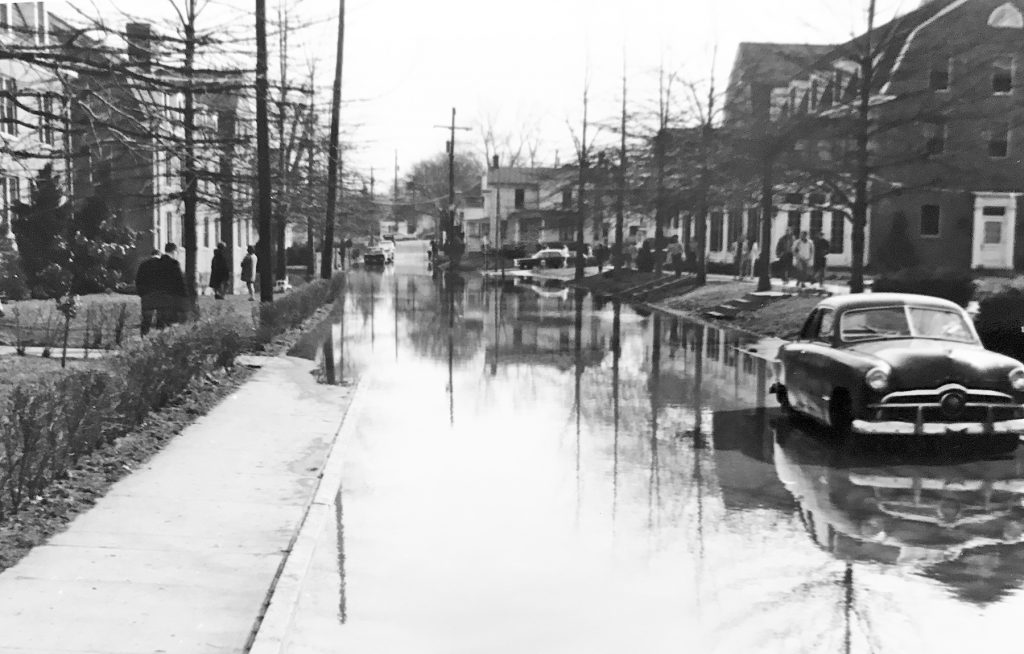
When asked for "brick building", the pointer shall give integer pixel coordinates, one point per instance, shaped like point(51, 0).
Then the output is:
point(945, 126)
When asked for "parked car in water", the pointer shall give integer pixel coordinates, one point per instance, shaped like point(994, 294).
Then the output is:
point(892, 363)
point(544, 258)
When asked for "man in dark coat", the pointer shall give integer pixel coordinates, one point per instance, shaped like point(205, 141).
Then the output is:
point(146, 285)
point(219, 272)
point(165, 288)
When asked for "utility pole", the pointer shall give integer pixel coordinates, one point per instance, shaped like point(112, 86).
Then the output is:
point(620, 199)
point(448, 216)
point(327, 260)
point(584, 157)
point(263, 157)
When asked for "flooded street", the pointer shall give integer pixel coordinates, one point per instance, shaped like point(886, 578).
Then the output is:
point(529, 471)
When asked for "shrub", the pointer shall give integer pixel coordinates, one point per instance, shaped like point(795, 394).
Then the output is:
point(48, 423)
point(949, 283)
point(999, 322)
point(288, 311)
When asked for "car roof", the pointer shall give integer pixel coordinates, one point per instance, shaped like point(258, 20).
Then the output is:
point(869, 300)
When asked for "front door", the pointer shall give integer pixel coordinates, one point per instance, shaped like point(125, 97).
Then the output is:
point(994, 221)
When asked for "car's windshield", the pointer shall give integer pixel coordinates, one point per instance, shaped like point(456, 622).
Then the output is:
point(904, 322)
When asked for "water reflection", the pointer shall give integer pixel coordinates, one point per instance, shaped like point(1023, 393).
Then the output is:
point(619, 478)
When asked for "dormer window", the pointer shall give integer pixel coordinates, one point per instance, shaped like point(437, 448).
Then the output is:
point(1002, 75)
point(938, 78)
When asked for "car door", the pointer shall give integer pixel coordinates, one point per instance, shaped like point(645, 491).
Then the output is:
point(818, 363)
point(794, 364)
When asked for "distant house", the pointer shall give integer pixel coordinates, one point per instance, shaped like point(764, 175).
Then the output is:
point(474, 220)
point(532, 205)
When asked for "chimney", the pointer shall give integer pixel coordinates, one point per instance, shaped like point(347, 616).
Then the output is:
point(140, 44)
point(494, 161)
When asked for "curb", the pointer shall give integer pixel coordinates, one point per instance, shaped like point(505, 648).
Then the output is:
point(272, 627)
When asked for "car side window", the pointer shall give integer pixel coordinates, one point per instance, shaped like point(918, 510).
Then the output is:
point(826, 325)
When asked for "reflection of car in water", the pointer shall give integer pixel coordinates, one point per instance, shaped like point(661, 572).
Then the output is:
point(380, 253)
point(915, 509)
point(892, 363)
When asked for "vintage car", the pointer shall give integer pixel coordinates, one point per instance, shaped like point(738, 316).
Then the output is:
point(545, 258)
point(892, 363)
point(379, 254)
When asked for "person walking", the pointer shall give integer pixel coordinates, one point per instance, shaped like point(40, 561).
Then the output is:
point(219, 272)
point(752, 256)
point(674, 251)
point(784, 252)
point(146, 282)
point(738, 250)
point(803, 256)
point(821, 248)
point(171, 283)
point(249, 262)
point(630, 255)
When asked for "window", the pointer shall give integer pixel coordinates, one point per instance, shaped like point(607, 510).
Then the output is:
point(793, 222)
point(825, 326)
point(168, 228)
point(935, 137)
point(938, 77)
point(794, 198)
point(1002, 75)
point(715, 240)
point(735, 226)
point(817, 198)
point(520, 198)
point(8, 106)
point(993, 211)
point(8, 197)
point(998, 137)
point(837, 237)
point(567, 199)
point(5, 18)
point(485, 228)
point(993, 232)
point(206, 231)
point(930, 220)
point(752, 224)
point(46, 119)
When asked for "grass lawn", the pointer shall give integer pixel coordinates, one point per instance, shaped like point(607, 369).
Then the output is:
point(16, 369)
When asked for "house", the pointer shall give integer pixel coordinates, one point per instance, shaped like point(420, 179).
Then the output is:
point(946, 146)
point(472, 215)
point(128, 146)
point(32, 103)
point(532, 205)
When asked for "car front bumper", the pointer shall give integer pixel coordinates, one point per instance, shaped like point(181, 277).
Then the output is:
point(900, 428)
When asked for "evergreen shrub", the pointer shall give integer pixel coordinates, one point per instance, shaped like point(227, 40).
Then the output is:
point(949, 283)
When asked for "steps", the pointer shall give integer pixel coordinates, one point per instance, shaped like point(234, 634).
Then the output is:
point(652, 290)
point(749, 302)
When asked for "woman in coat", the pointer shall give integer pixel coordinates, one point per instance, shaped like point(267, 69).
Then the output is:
point(219, 272)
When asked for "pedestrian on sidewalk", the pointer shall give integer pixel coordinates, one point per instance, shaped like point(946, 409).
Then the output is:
point(821, 248)
point(784, 252)
point(645, 258)
point(171, 283)
point(146, 287)
point(249, 262)
point(219, 272)
point(738, 253)
point(630, 255)
point(675, 255)
point(803, 255)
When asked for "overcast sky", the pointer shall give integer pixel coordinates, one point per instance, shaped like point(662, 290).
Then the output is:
point(522, 65)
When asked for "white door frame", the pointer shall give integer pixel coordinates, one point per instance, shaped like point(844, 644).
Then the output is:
point(983, 256)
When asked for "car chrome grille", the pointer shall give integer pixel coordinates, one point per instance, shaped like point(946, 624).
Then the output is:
point(950, 403)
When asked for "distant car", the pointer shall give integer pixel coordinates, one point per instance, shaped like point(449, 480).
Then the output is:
point(893, 363)
point(379, 254)
point(545, 258)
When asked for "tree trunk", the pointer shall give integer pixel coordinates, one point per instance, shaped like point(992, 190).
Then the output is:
point(333, 164)
point(263, 261)
point(764, 280)
point(860, 200)
point(189, 189)
point(226, 129)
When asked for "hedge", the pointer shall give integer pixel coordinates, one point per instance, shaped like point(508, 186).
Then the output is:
point(48, 423)
point(1000, 320)
point(949, 283)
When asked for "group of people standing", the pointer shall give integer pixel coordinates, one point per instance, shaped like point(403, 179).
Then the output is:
point(162, 291)
point(806, 255)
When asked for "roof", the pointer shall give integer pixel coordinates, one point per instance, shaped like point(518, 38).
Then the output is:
point(528, 176)
point(775, 63)
point(868, 300)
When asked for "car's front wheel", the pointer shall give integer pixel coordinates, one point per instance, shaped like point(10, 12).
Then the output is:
point(840, 412)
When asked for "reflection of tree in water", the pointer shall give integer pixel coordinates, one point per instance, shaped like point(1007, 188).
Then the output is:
point(442, 318)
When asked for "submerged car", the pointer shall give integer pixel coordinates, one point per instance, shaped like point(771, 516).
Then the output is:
point(892, 363)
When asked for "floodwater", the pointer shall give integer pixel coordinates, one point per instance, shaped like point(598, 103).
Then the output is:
point(528, 471)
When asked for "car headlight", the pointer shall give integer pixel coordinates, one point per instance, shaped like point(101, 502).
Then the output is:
point(877, 378)
point(1017, 379)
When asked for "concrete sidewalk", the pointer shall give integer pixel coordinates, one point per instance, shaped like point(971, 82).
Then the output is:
point(180, 556)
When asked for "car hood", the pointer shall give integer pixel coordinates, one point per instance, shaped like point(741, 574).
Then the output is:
point(928, 363)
